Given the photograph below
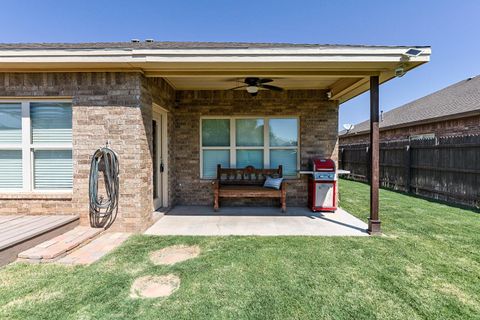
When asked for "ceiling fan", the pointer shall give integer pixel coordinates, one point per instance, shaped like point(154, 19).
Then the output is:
point(252, 84)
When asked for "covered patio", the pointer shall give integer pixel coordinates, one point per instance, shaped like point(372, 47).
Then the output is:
point(256, 221)
point(173, 111)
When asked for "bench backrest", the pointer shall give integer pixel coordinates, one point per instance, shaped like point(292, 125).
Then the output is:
point(246, 176)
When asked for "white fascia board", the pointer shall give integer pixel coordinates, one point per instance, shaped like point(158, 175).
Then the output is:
point(212, 55)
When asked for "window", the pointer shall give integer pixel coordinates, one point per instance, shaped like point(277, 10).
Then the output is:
point(35, 146)
point(261, 142)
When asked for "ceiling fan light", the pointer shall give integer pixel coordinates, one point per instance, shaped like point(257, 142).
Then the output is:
point(252, 89)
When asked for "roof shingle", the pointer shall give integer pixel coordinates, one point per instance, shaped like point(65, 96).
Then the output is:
point(172, 45)
point(461, 97)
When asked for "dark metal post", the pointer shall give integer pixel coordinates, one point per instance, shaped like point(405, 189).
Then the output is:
point(374, 220)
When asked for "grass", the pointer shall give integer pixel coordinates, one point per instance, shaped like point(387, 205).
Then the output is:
point(427, 266)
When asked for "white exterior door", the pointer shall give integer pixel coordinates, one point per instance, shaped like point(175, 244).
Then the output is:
point(159, 158)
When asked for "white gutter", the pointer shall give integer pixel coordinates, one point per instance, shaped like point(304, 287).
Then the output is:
point(326, 54)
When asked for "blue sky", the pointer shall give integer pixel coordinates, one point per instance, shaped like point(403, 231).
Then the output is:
point(452, 28)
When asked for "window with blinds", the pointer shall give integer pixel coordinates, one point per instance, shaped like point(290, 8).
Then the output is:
point(51, 122)
point(262, 142)
point(35, 145)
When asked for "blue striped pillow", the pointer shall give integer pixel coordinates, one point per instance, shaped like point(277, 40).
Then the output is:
point(273, 183)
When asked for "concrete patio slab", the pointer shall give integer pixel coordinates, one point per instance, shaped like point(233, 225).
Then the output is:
point(263, 221)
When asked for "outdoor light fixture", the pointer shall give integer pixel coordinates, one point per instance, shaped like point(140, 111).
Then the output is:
point(253, 90)
point(252, 84)
point(399, 72)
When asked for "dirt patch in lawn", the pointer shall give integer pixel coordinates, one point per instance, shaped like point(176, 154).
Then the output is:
point(174, 254)
point(154, 286)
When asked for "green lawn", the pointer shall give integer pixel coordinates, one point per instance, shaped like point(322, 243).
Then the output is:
point(427, 266)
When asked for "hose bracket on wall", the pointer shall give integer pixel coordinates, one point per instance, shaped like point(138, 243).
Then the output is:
point(104, 207)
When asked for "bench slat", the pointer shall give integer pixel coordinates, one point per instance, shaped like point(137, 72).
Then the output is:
point(248, 191)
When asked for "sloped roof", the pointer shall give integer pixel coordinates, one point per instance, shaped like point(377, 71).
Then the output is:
point(459, 98)
point(176, 45)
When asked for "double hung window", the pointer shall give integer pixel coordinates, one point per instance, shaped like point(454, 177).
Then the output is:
point(35, 146)
point(262, 142)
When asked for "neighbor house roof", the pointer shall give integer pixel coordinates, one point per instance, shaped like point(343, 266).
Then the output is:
point(458, 100)
point(342, 70)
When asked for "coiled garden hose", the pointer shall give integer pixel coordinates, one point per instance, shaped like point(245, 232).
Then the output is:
point(103, 209)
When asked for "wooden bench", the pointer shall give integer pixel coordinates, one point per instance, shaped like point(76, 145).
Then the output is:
point(247, 183)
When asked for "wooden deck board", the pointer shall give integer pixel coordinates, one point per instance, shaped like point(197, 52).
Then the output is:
point(5, 219)
point(15, 231)
point(16, 224)
point(27, 231)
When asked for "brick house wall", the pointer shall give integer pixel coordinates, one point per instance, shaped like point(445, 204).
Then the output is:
point(318, 135)
point(105, 106)
point(118, 107)
point(158, 91)
point(468, 125)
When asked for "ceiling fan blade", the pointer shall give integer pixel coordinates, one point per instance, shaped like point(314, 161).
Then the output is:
point(235, 88)
point(265, 80)
point(270, 87)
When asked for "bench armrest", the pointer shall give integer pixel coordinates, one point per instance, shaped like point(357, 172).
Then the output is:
point(283, 186)
point(216, 184)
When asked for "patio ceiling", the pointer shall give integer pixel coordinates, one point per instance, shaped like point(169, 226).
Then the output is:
point(345, 70)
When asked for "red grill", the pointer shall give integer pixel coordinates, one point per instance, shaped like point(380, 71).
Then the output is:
point(322, 185)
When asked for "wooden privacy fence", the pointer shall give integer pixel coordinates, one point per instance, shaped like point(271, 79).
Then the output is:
point(445, 168)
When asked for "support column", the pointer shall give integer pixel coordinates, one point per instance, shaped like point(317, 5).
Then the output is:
point(374, 220)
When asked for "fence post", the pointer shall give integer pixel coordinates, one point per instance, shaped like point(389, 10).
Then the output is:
point(342, 158)
point(408, 162)
point(367, 151)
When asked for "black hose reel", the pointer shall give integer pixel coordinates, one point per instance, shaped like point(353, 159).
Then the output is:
point(103, 207)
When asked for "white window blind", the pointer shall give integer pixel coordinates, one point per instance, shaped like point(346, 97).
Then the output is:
point(52, 169)
point(35, 145)
point(213, 157)
point(10, 123)
point(51, 122)
point(11, 169)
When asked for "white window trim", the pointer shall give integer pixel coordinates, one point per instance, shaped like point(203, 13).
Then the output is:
point(266, 139)
point(27, 147)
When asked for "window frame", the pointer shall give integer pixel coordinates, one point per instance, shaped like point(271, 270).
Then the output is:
point(28, 147)
point(266, 141)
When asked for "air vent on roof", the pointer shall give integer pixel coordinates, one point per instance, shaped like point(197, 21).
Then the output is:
point(149, 40)
point(135, 40)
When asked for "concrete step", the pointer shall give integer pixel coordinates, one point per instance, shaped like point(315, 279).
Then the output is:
point(58, 247)
point(96, 249)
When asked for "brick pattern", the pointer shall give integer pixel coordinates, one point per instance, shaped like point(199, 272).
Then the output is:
point(57, 247)
point(38, 205)
point(453, 127)
point(95, 250)
point(158, 91)
point(105, 106)
point(318, 136)
point(118, 107)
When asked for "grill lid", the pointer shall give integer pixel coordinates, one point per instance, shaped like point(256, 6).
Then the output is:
point(319, 164)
